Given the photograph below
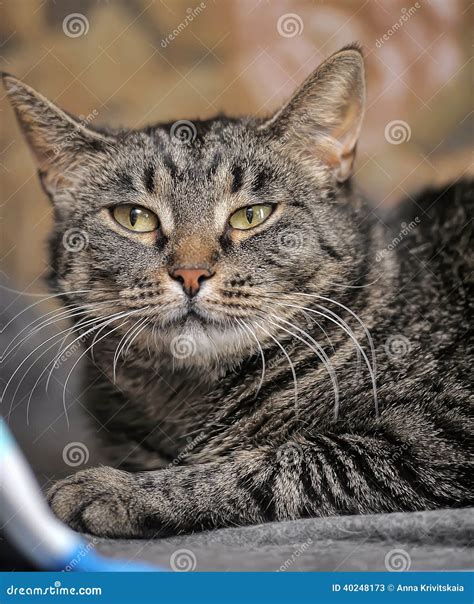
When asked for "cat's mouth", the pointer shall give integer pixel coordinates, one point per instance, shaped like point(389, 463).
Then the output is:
point(196, 320)
point(194, 315)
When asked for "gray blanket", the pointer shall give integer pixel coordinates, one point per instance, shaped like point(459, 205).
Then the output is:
point(436, 540)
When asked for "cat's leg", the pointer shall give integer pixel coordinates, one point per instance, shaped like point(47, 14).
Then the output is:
point(329, 475)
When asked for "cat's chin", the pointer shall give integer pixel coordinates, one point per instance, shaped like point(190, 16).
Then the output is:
point(197, 341)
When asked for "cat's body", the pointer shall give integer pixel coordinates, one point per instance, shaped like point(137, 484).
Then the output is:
point(255, 395)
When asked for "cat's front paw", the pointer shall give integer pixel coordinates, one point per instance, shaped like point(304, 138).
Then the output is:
point(100, 501)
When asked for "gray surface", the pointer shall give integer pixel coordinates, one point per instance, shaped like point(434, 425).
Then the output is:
point(437, 540)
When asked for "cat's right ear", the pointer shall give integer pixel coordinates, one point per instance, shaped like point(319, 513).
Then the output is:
point(322, 121)
point(61, 144)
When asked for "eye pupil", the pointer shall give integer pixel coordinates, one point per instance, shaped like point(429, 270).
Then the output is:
point(134, 212)
point(250, 216)
point(135, 218)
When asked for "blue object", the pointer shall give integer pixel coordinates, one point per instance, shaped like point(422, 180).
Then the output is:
point(34, 530)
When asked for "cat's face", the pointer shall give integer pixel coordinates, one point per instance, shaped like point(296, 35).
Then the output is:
point(194, 234)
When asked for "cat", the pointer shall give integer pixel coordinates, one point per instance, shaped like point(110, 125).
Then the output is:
point(261, 346)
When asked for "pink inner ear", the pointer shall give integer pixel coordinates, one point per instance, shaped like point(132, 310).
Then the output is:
point(345, 166)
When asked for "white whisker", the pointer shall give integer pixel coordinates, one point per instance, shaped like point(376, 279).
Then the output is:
point(292, 367)
point(342, 324)
point(262, 355)
point(44, 298)
point(96, 322)
point(318, 350)
point(359, 320)
point(125, 315)
point(57, 315)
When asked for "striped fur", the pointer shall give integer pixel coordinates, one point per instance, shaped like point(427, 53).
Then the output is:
point(320, 297)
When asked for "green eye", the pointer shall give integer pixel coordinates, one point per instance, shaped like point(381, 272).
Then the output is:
point(135, 218)
point(251, 216)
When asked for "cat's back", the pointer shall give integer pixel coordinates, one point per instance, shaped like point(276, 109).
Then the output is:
point(429, 241)
point(432, 235)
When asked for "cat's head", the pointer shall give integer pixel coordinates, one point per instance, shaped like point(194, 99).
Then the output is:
point(205, 231)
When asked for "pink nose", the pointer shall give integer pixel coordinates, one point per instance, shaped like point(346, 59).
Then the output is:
point(191, 278)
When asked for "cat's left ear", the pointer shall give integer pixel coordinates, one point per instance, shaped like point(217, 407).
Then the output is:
point(61, 144)
point(322, 120)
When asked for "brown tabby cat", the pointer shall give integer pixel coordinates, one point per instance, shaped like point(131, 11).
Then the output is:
point(264, 347)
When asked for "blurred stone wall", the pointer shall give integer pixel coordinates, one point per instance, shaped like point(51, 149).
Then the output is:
point(131, 62)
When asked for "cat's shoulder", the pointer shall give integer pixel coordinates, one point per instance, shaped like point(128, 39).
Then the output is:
point(436, 215)
point(452, 201)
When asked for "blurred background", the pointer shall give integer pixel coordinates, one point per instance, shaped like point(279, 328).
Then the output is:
point(134, 62)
